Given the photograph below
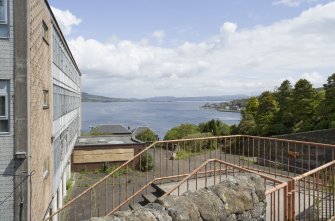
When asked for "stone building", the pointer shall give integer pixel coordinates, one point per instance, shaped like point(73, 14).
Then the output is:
point(39, 110)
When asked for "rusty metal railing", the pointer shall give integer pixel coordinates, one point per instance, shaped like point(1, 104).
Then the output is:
point(221, 170)
point(176, 159)
point(313, 194)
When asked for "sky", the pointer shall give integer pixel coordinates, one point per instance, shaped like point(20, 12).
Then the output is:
point(148, 48)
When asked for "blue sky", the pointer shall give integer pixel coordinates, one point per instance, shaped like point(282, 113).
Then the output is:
point(194, 47)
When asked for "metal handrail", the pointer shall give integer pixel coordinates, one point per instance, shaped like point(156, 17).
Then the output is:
point(242, 140)
point(221, 162)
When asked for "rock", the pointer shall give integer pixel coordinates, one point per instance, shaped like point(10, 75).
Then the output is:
point(239, 197)
point(236, 195)
point(159, 212)
point(142, 214)
point(180, 208)
point(210, 206)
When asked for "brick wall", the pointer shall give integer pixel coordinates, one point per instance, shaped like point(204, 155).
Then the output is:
point(40, 119)
point(7, 141)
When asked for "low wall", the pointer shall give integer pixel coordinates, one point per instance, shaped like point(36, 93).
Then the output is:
point(240, 197)
point(317, 136)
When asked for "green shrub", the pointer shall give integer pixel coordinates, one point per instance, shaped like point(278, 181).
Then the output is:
point(146, 162)
point(147, 136)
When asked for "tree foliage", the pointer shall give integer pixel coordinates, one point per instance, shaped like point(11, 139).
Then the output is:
point(146, 135)
point(216, 127)
point(290, 109)
point(181, 131)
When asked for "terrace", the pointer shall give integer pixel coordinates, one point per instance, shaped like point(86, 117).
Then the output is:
point(299, 176)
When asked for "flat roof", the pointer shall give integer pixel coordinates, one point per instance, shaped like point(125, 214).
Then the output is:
point(103, 140)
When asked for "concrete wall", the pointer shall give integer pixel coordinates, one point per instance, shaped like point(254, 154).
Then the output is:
point(7, 140)
point(40, 119)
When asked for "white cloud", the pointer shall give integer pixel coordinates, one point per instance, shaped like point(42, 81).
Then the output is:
point(292, 3)
point(233, 61)
point(159, 36)
point(315, 78)
point(65, 19)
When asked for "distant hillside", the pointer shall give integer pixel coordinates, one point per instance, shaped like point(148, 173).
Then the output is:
point(204, 98)
point(85, 97)
point(96, 98)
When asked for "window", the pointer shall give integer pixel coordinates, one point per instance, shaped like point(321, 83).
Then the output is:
point(3, 11)
point(4, 106)
point(45, 99)
point(45, 31)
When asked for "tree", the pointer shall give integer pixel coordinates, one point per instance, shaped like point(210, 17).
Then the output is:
point(181, 131)
point(252, 106)
point(304, 105)
point(146, 135)
point(216, 127)
point(284, 121)
point(329, 102)
point(268, 108)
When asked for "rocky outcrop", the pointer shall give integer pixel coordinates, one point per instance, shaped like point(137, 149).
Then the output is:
point(239, 197)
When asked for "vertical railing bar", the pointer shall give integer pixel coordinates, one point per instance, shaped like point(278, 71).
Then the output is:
point(195, 153)
point(309, 196)
point(113, 187)
point(172, 159)
point(271, 200)
point(83, 206)
point(120, 190)
point(214, 172)
point(302, 158)
point(288, 159)
point(299, 198)
point(75, 210)
point(127, 181)
point(91, 203)
point(166, 159)
point(243, 152)
point(309, 157)
point(258, 155)
point(105, 196)
point(160, 161)
point(248, 151)
point(304, 198)
point(276, 159)
point(295, 161)
point(154, 163)
point(264, 155)
point(134, 180)
point(178, 161)
point(270, 155)
point(253, 150)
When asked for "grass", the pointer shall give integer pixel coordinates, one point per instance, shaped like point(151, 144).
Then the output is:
point(69, 188)
point(184, 154)
point(249, 159)
point(108, 169)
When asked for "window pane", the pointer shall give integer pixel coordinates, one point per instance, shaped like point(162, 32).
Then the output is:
point(2, 106)
point(3, 9)
point(3, 126)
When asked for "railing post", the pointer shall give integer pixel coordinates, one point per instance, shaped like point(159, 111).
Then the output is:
point(292, 199)
point(289, 201)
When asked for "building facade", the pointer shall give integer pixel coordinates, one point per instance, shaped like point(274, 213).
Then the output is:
point(39, 110)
